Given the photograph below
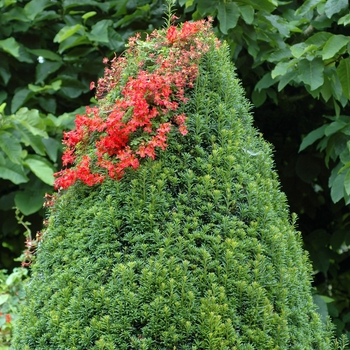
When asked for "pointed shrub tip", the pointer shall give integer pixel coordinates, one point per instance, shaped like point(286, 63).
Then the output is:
point(135, 115)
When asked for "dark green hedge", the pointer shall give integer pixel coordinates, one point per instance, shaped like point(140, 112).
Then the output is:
point(195, 250)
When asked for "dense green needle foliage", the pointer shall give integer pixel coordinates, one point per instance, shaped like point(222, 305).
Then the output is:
point(193, 250)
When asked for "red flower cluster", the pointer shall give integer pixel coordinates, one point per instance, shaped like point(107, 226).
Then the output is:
point(7, 318)
point(139, 96)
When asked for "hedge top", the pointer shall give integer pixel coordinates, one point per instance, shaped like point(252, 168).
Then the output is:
point(139, 99)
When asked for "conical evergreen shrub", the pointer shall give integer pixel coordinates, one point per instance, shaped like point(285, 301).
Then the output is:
point(170, 230)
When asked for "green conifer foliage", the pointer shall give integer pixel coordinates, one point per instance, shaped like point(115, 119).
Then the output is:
point(193, 250)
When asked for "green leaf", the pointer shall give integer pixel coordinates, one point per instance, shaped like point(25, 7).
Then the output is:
point(99, 31)
point(345, 20)
point(228, 14)
point(11, 147)
point(298, 50)
point(88, 15)
point(19, 98)
point(72, 87)
point(318, 39)
point(13, 172)
point(258, 97)
point(4, 298)
point(321, 307)
point(66, 32)
point(310, 138)
point(311, 72)
point(286, 79)
point(31, 120)
point(278, 23)
point(5, 72)
point(337, 187)
point(262, 5)
point(29, 202)
point(306, 7)
point(68, 4)
point(247, 13)
point(52, 146)
point(34, 141)
point(265, 82)
point(333, 45)
point(205, 7)
point(43, 70)
point(10, 46)
point(41, 168)
point(281, 69)
point(335, 6)
point(50, 55)
point(347, 183)
point(343, 71)
point(34, 7)
point(335, 126)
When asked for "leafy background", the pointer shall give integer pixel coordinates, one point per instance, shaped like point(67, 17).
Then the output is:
point(292, 57)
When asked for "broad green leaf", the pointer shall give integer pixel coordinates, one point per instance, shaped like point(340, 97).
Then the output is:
point(265, 82)
point(11, 147)
point(322, 309)
point(32, 121)
point(116, 42)
point(278, 23)
point(34, 141)
point(306, 7)
point(258, 97)
point(50, 55)
point(99, 31)
point(49, 104)
point(34, 7)
point(347, 182)
point(262, 5)
point(298, 49)
point(43, 70)
point(279, 55)
point(247, 12)
point(334, 127)
point(88, 15)
point(5, 71)
point(41, 168)
point(333, 45)
point(281, 69)
point(287, 78)
point(318, 39)
point(343, 71)
point(345, 20)
point(228, 14)
point(326, 90)
point(310, 138)
point(4, 298)
point(19, 98)
point(72, 87)
point(311, 72)
point(52, 146)
point(337, 187)
point(205, 7)
point(69, 4)
point(335, 6)
point(66, 32)
point(73, 41)
point(13, 172)
point(11, 46)
point(29, 202)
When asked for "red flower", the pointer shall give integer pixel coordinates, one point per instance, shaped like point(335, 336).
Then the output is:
point(138, 113)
